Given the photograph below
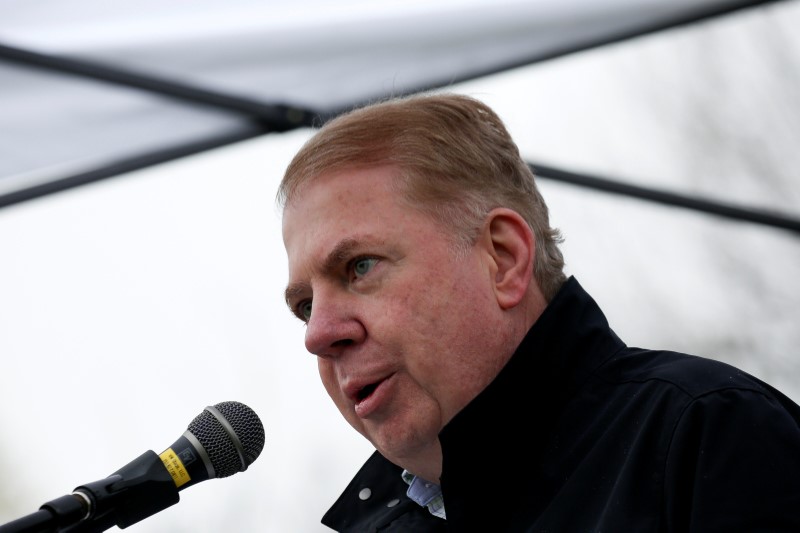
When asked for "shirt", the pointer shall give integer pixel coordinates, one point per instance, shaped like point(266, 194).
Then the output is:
point(425, 493)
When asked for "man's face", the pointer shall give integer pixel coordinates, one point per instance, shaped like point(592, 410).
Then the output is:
point(404, 329)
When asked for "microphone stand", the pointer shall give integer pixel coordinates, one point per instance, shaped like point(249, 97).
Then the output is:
point(139, 489)
point(50, 517)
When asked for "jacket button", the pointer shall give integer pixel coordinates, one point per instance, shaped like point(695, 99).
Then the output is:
point(365, 494)
point(393, 503)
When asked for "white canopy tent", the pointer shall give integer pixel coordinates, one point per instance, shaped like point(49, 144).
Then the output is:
point(129, 304)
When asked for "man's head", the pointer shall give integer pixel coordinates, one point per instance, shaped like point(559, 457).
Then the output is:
point(414, 278)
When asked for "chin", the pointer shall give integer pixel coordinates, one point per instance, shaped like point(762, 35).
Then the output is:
point(403, 445)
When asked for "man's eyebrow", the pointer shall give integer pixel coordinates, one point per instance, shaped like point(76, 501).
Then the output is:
point(292, 291)
point(341, 252)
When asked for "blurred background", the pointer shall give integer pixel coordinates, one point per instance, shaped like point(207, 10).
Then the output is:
point(141, 262)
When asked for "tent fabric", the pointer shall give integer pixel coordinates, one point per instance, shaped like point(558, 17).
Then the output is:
point(312, 57)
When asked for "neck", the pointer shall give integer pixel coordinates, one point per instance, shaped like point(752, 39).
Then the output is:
point(427, 465)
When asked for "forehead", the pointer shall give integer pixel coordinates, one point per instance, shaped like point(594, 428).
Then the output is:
point(344, 185)
point(342, 205)
point(342, 175)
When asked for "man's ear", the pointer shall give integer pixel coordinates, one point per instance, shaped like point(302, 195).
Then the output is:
point(512, 248)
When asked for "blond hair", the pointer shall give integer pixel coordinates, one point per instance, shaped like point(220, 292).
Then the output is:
point(456, 161)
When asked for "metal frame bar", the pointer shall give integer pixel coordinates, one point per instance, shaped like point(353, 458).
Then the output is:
point(713, 207)
point(264, 118)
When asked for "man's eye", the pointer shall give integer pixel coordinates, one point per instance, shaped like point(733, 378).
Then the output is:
point(304, 310)
point(363, 265)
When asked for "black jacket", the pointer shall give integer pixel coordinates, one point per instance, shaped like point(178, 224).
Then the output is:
point(580, 433)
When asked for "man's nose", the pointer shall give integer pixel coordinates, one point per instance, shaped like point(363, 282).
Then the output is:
point(332, 326)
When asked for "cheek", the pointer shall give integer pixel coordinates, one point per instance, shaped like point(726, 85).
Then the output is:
point(451, 332)
point(328, 377)
point(449, 309)
point(425, 323)
point(331, 384)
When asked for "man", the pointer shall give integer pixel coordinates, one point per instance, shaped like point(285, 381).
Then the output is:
point(423, 264)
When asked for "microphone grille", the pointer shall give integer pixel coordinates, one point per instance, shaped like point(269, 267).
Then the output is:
point(220, 445)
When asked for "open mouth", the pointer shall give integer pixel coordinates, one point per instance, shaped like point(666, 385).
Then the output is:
point(366, 391)
point(373, 397)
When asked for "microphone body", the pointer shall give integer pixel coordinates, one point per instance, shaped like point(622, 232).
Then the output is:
point(219, 442)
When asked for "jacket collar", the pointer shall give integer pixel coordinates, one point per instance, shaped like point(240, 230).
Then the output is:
point(505, 429)
point(560, 351)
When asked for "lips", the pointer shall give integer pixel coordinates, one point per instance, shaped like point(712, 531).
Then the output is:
point(360, 390)
point(366, 391)
point(368, 395)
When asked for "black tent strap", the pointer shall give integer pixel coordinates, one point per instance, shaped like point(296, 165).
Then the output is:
point(691, 16)
point(275, 117)
point(713, 207)
point(130, 164)
point(282, 117)
point(255, 129)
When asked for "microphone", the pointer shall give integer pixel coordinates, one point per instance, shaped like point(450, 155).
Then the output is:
point(222, 440)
